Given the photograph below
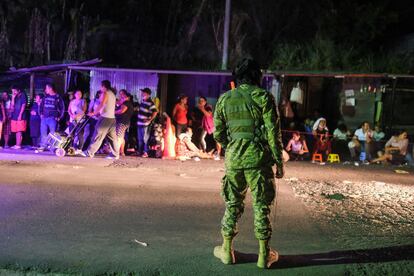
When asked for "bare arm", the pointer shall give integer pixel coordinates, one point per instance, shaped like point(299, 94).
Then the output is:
point(122, 110)
point(70, 109)
point(85, 103)
point(154, 114)
point(174, 111)
point(289, 145)
point(3, 112)
point(22, 110)
point(206, 113)
point(103, 98)
point(305, 146)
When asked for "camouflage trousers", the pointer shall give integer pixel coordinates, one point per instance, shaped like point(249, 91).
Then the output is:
point(234, 188)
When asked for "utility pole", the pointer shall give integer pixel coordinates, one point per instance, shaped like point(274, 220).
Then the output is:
point(226, 36)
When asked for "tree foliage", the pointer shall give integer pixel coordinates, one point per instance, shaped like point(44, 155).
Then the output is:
point(348, 35)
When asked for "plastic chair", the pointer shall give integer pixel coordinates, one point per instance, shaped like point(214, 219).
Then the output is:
point(333, 157)
point(317, 157)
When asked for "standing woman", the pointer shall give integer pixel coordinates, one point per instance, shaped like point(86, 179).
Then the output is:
point(123, 114)
point(77, 109)
point(196, 122)
point(6, 120)
point(2, 117)
point(180, 115)
point(35, 121)
point(208, 129)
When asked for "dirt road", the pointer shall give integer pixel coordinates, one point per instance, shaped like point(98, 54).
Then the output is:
point(76, 215)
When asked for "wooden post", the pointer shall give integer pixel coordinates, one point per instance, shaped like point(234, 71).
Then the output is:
point(32, 85)
point(67, 80)
point(394, 86)
point(163, 79)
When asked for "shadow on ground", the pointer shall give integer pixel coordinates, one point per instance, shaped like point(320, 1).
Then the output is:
point(375, 255)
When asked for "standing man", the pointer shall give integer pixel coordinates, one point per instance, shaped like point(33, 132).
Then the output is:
point(106, 124)
point(52, 110)
point(18, 116)
point(146, 113)
point(248, 127)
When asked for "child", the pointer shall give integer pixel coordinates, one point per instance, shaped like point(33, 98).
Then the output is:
point(35, 121)
point(297, 148)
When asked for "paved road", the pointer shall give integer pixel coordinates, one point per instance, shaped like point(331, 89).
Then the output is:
point(75, 215)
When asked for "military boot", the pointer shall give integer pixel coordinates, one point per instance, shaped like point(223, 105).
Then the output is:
point(267, 256)
point(225, 252)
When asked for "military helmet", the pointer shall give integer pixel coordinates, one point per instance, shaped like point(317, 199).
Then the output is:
point(247, 71)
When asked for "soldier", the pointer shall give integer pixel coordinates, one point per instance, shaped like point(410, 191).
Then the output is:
point(247, 126)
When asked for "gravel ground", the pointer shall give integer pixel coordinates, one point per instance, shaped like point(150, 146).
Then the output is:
point(365, 211)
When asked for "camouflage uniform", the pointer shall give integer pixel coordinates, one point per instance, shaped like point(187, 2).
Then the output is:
point(247, 126)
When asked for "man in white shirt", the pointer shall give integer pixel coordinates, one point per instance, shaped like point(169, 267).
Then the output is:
point(361, 142)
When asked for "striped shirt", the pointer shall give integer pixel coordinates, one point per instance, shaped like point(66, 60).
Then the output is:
point(146, 109)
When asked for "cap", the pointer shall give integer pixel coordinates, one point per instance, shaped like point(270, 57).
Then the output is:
point(146, 90)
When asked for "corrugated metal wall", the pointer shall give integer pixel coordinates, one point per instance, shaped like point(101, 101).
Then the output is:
point(131, 81)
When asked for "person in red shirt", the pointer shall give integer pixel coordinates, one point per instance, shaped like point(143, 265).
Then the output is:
point(179, 115)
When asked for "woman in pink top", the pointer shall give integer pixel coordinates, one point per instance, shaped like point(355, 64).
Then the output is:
point(179, 115)
point(208, 129)
point(297, 147)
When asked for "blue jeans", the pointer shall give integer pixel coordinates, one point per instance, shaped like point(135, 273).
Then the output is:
point(409, 159)
point(365, 147)
point(47, 125)
point(143, 137)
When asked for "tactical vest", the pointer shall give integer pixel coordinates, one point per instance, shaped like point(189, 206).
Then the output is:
point(244, 118)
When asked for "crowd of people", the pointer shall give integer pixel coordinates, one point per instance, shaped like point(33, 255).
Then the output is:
point(363, 146)
point(116, 125)
point(119, 126)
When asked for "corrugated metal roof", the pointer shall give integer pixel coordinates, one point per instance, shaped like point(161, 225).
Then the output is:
point(54, 67)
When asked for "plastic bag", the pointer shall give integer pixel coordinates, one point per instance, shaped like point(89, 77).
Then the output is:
point(297, 94)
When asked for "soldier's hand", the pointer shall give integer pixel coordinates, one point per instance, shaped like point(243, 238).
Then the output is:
point(280, 172)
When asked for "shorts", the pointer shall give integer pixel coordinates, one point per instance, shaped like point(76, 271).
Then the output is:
point(397, 159)
point(6, 128)
point(18, 126)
